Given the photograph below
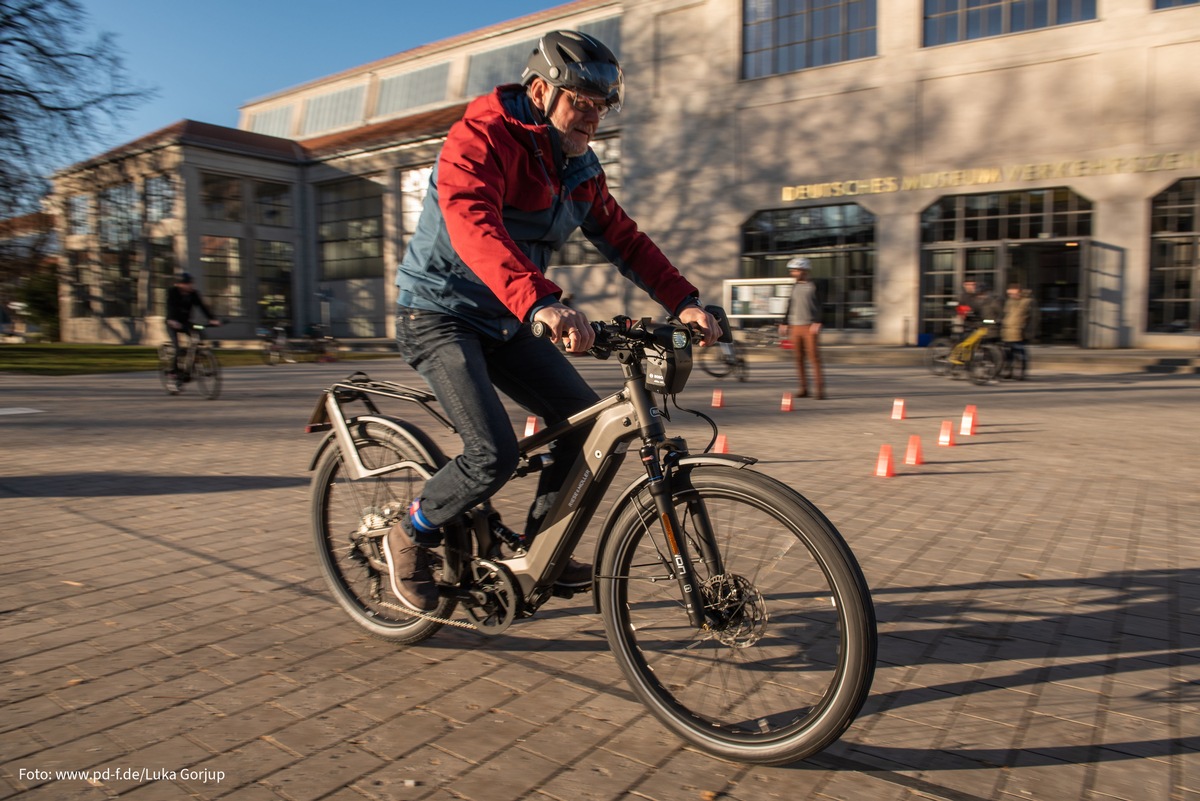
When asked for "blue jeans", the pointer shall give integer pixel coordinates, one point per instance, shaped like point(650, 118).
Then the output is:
point(465, 368)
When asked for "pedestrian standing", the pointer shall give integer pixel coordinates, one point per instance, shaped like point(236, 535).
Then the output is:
point(1014, 330)
point(802, 326)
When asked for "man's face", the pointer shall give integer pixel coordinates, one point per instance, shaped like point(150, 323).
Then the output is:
point(575, 125)
point(969, 287)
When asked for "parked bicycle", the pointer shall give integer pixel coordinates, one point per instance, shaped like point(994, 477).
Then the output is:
point(316, 345)
point(977, 355)
point(198, 363)
point(276, 347)
point(320, 344)
point(732, 605)
point(724, 359)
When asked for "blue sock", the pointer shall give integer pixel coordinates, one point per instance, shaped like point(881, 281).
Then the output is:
point(421, 530)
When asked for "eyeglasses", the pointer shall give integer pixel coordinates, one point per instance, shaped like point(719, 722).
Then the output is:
point(579, 102)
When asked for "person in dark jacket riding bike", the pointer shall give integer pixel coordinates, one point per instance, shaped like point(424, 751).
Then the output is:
point(515, 178)
point(182, 299)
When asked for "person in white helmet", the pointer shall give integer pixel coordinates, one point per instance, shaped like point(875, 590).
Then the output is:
point(802, 326)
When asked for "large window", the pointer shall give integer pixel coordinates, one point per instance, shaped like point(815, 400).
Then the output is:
point(163, 269)
point(949, 21)
point(1174, 3)
point(350, 229)
point(781, 36)
point(838, 240)
point(273, 204)
point(1037, 214)
point(78, 208)
point(160, 198)
point(1174, 293)
point(274, 262)
point(221, 197)
point(118, 218)
point(79, 275)
point(221, 257)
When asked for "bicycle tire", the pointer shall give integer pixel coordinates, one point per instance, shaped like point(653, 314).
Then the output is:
point(349, 519)
point(985, 363)
point(714, 362)
point(790, 672)
point(937, 355)
point(207, 373)
point(166, 365)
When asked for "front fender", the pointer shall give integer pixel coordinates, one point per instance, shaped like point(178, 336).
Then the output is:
point(634, 488)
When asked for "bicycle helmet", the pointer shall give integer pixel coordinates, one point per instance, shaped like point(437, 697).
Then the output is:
point(799, 263)
point(576, 61)
point(185, 278)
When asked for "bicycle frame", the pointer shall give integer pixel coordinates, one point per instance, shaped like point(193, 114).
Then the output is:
point(614, 422)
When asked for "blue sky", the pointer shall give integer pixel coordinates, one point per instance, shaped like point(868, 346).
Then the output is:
point(208, 58)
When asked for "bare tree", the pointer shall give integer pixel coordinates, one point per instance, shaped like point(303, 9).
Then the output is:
point(59, 93)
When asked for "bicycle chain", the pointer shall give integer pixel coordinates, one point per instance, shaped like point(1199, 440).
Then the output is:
point(460, 624)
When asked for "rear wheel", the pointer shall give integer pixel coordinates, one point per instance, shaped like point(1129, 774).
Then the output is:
point(349, 520)
point(166, 366)
point(937, 355)
point(787, 658)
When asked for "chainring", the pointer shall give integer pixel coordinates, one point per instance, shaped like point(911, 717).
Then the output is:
point(497, 598)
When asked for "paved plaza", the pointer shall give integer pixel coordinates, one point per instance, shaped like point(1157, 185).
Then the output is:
point(165, 634)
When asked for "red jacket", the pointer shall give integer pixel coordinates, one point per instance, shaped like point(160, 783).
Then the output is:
point(499, 203)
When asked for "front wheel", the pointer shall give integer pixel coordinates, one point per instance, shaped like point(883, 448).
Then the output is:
point(787, 658)
point(349, 520)
point(985, 363)
point(207, 373)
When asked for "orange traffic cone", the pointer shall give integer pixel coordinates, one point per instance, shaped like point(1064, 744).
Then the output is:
point(913, 454)
point(898, 409)
point(883, 466)
point(718, 399)
point(721, 446)
point(947, 435)
point(785, 405)
point(967, 429)
point(531, 426)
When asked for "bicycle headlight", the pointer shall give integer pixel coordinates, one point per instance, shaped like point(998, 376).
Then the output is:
point(680, 338)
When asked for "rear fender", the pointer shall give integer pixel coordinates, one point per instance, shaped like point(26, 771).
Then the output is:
point(430, 453)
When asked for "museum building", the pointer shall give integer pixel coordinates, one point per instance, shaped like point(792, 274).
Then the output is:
point(903, 147)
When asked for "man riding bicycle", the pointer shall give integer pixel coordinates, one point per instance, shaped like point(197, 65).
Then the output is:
point(181, 300)
point(515, 178)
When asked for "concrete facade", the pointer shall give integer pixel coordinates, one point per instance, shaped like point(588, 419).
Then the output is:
point(1098, 114)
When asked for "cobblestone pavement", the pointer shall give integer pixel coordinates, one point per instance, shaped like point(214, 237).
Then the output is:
point(163, 624)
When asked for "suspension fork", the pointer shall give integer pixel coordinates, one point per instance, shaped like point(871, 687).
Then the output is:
point(661, 490)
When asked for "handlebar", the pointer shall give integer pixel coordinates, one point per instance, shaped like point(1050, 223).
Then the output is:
point(626, 334)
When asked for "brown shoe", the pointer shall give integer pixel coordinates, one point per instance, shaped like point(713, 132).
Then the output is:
point(575, 576)
point(409, 571)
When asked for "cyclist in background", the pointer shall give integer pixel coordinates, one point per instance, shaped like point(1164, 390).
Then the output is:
point(515, 178)
point(182, 299)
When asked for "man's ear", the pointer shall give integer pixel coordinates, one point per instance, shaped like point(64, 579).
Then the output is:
point(538, 89)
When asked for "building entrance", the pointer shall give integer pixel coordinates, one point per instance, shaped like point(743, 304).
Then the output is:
point(1052, 270)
